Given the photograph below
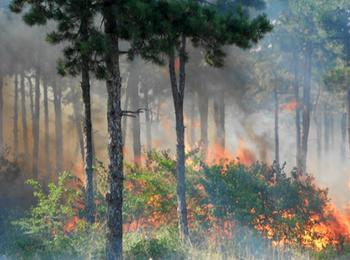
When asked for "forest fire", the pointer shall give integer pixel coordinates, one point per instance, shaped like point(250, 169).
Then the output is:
point(290, 106)
point(219, 155)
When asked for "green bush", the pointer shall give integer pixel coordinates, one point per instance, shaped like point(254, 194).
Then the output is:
point(163, 244)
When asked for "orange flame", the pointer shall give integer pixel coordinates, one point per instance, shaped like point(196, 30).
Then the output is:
point(290, 106)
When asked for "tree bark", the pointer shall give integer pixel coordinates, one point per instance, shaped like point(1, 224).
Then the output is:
point(24, 116)
point(36, 122)
point(306, 106)
point(203, 104)
point(178, 98)
point(1, 114)
point(57, 92)
point(114, 197)
point(15, 119)
point(47, 130)
point(89, 188)
point(277, 141)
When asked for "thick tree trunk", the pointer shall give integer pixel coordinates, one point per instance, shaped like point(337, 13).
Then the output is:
point(114, 197)
point(178, 98)
point(136, 132)
point(306, 106)
point(57, 92)
point(1, 114)
point(219, 118)
point(15, 119)
point(24, 116)
point(89, 188)
point(343, 135)
point(36, 126)
point(47, 130)
point(277, 140)
point(203, 104)
point(148, 119)
point(31, 99)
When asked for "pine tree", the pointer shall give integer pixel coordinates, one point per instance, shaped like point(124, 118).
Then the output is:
point(207, 26)
point(74, 26)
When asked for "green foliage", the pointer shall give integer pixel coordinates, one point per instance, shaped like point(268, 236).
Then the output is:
point(163, 244)
point(45, 228)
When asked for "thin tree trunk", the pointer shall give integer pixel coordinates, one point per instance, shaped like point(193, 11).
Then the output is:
point(136, 132)
point(31, 100)
point(47, 130)
point(178, 98)
point(77, 121)
point(148, 120)
point(24, 116)
point(192, 118)
point(114, 197)
point(326, 129)
point(57, 91)
point(15, 119)
point(306, 105)
point(343, 135)
point(36, 126)
point(126, 107)
point(277, 141)
point(85, 86)
point(348, 104)
point(203, 104)
point(219, 118)
point(1, 114)
point(297, 113)
point(319, 136)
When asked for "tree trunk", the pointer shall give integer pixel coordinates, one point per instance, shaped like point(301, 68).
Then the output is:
point(77, 121)
point(126, 106)
point(277, 141)
point(343, 136)
point(1, 114)
point(203, 104)
point(36, 125)
point(114, 197)
point(15, 119)
point(318, 122)
point(178, 98)
point(24, 116)
point(148, 120)
point(47, 130)
point(219, 118)
point(89, 188)
point(306, 106)
point(135, 104)
point(348, 104)
point(297, 112)
point(57, 92)
point(193, 118)
point(326, 129)
point(31, 100)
